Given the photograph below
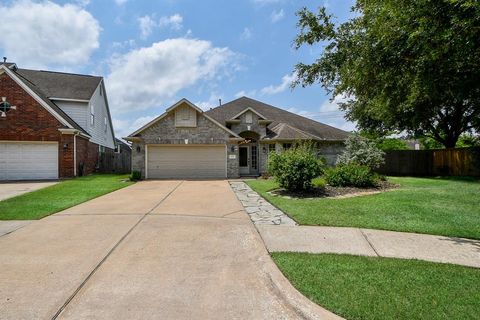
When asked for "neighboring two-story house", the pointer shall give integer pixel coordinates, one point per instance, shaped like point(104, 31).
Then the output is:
point(52, 124)
point(229, 141)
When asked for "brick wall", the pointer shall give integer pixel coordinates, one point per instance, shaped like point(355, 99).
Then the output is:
point(87, 155)
point(32, 122)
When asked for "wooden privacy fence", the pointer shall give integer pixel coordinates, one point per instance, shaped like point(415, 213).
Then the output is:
point(112, 162)
point(441, 162)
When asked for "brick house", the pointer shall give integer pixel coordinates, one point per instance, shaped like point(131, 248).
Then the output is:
point(52, 124)
point(229, 141)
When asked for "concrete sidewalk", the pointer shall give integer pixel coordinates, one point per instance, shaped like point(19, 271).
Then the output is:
point(369, 242)
point(154, 250)
point(13, 189)
point(286, 237)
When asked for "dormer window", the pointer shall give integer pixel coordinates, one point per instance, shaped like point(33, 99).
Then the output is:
point(92, 115)
point(248, 117)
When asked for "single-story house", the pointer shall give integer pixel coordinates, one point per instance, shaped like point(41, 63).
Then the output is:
point(52, 124)
point(229, 141)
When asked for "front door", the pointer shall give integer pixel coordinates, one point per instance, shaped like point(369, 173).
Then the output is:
point(244, 160)
point(248, 160)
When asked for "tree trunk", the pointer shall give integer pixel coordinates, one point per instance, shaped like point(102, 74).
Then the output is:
point(451, 141)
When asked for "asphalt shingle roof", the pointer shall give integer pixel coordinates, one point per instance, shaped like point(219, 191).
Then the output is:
point(62, 85)
point(285, 125)
point(51, 104)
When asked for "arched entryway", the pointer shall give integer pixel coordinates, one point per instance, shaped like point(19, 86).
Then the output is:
point(248, 154)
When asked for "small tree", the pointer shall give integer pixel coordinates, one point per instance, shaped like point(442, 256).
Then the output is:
point(295, 168)
point(361, 151)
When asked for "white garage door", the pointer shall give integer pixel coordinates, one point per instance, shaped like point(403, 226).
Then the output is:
point(28, 160)
point(186, 162)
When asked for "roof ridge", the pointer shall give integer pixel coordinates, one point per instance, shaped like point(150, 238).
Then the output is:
point(62, 72)
point(308, 134)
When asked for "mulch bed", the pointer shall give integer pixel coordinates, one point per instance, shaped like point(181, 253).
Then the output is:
point(335, 192)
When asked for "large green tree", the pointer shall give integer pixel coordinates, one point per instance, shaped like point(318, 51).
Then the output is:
point(404, 65)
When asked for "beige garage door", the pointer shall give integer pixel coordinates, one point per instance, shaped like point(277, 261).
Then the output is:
point(28, 160)
point(186, 162)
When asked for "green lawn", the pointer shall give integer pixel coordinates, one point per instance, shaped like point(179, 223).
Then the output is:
point(382, 288)
point(449, 207)
point(66, 194)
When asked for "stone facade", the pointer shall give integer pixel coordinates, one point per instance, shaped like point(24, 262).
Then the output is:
point(330, 151)
point(164, 132)
point(243, 126)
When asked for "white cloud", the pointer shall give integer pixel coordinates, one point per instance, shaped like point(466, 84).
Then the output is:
point(125, 127)
point(284, 85)
point(246, 34)
point(212, 102)
point(120, 2)
point(38, 34)
point(174, 22)
point(148, 23)
point(243, 93)
point(147, 77)
point(82, 3)
point(276, 16)
point(333, 105)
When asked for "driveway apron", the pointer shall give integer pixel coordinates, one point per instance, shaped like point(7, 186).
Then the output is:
point(155, 250)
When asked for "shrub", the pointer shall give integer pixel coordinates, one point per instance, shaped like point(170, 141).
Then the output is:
point(350, 175)
point(295, 168)
point(361, 151)
point(319, 183)
point(136, 176)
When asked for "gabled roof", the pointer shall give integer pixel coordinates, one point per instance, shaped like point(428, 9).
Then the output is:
point(248, 109)
point(283, 131)
point(62, 85)
point(173, 107)
point(278, 116)
point(42, 99)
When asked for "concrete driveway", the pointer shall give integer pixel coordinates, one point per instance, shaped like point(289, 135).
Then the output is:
point(155, 250)
point(13, 189)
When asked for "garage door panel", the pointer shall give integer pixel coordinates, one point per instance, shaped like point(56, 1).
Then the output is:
point(28, 161)
point(186, 162)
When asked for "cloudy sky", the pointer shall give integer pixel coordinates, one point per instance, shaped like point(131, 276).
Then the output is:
point(153, 53)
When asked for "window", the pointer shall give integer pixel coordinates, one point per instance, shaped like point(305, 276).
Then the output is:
point(101, 149)
point(118, 149)
point(287, 146)
point(271, 148)
point(254, 157)
point(105, 124)
point(248, 117)
point(92, 114)
point(101, 90)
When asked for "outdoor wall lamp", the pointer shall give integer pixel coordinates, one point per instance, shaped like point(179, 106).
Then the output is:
point(65, 146)
point(264, 150)
point(232, 149)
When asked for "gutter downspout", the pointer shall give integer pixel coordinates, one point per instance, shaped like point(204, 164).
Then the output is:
point(75, 154)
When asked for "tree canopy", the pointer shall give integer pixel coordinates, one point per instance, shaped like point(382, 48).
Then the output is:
point(403, 65)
